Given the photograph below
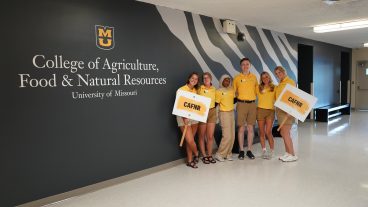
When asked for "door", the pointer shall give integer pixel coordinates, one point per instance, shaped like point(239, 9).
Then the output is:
point(305, 70)
point(345, 77)
point(361, 93)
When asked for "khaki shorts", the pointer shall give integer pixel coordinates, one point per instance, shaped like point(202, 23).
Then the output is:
point(263, 114)
point(212, 116)
point(247, 113)
point(281, 115)
point(180, 121)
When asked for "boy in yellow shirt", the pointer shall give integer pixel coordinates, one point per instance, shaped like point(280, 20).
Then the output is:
point(245, 85)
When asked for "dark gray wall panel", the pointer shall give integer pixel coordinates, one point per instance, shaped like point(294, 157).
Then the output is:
point(52, 143)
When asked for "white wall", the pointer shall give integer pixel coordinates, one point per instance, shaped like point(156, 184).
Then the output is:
point(357, 55)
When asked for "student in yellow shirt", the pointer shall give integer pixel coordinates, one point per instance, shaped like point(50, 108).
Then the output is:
point(289, 156)
point(266, 113)
point(245, 85)
point(225, 99)
point(191, 147)
point(208, 128)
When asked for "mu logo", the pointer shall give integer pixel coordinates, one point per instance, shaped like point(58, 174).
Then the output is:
point(105, 37)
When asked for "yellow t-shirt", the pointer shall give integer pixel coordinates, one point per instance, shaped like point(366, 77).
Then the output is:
point(208, 92)
point(225, 97)
point(266, 98)
point(186, 88)
point(282, 85)
point(245, 86)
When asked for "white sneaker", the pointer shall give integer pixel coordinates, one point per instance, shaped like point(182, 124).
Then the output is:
point(284, 156)
point(290, 158)
point(264, 154)
point(270, 155)
point(229, 157)
point(219, 158)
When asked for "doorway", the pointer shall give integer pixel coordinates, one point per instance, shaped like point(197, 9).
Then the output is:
point(345, 78)
point(361, 93)
point(305, 70)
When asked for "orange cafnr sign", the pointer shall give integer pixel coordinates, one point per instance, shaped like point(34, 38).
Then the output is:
point(296, 102)
point(190, 105)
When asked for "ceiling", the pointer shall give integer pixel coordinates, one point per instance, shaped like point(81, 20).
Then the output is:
point(296, 17)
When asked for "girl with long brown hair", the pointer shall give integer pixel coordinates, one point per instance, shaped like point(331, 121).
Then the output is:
point(266, 113)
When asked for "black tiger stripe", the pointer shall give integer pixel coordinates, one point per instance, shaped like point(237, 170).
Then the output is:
point(216, 68)
point(278, 53)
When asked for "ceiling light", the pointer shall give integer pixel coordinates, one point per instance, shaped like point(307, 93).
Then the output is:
point(365, 44)
point(330, 2)
point(341, 26)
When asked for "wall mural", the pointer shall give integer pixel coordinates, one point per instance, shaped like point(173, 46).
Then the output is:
point(218, 52)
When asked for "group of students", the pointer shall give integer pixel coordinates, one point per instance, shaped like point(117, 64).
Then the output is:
point(244, 91)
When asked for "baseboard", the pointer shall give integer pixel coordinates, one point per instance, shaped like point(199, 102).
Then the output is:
point(98, 186)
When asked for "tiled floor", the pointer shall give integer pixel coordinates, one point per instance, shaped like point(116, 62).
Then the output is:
point(332, 171)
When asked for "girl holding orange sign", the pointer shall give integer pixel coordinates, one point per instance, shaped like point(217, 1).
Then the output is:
point(284, 117)
point(192, 125)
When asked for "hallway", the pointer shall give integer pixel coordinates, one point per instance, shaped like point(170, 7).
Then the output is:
point(331, 172)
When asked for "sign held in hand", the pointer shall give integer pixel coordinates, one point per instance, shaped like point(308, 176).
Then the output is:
point(295, 102)
point(191, 106)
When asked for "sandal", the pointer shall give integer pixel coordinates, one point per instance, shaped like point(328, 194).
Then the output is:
point(195, 159)
point(205, 160)
point(211, 160)
point(192, 164)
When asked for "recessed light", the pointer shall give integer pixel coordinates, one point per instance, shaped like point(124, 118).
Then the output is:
point(356, 24)
point(330, 2)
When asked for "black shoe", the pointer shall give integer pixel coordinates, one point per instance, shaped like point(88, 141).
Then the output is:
point(250, 155)
point(196, 159)
point(210, 158)
point(192, 164)
point(241, 155)
point(205, 160)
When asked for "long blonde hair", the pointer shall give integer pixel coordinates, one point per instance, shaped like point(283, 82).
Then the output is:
point(262, 85)
point(280, 68)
